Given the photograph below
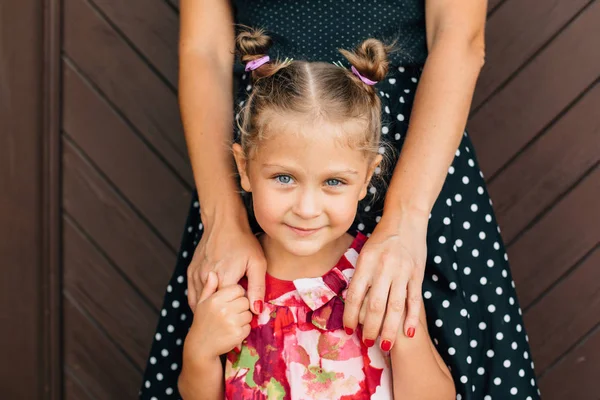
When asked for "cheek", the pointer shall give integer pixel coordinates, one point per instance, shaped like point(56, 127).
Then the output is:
point(267, 207)
point(343, 208)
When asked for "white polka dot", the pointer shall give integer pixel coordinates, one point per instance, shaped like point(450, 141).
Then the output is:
point(465, 179)
point(467, 271)
point(452, 285)
point(458, 331)
point(451, 351)
point(159, 376)
point(475, 252)
point(445, 304)
point(463, 379)
point(169, 391)
point(473, 343)
point(506, 363)
point(164, 352)
point(446, 221)
point(175, 304)
point(463, 312)
point(458, 197)
point(513, 391)
point(474, 207)
point(170, 328)
point(438, 323)
point(483, 280)
point(180, 279)
point(474, 298)
point(442, 239)
point(497, 381)
point(466, 224)
point(480, 370)
point(499, 336)
point(400, 117)
point(482, 326)
point(158, 336)
point(437, 259)
point(427, 295)
point(490, 353)
point(482, 235)
point(491, 308)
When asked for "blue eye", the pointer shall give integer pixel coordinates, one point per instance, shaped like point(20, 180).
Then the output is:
point(340, 183)
point(286, 179)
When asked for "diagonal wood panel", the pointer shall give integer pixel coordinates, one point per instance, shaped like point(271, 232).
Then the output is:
point(544, 88)
point(127, 82)
point(106, 297)
point(124, 237)
point(123, 157)
point(547, 168)
point(557, 322)
point(561, 237)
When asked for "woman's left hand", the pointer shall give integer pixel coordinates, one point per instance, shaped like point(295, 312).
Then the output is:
point(390, 268)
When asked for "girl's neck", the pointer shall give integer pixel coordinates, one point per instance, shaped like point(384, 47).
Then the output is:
point(286, 266)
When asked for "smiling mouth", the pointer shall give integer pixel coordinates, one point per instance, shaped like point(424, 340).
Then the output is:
point(303, 231)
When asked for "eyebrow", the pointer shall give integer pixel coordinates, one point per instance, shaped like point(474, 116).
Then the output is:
point(332, 172)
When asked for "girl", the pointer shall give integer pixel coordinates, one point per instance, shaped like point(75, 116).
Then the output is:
point(310, 145)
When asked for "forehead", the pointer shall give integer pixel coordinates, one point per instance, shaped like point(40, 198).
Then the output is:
point(310, 146)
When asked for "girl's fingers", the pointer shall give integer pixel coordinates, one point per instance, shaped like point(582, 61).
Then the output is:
point(191, 296)
point(256, 284)
point(414, 304)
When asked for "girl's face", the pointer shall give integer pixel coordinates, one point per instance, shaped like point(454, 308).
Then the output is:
point(306, 181)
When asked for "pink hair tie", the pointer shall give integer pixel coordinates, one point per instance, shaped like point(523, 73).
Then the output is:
point(251, 65)
point(363, 78)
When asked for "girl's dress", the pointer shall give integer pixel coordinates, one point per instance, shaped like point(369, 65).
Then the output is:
point(298, 349)
point(474, 317)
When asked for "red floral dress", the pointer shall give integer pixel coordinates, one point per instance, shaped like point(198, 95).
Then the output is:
point(298, 349)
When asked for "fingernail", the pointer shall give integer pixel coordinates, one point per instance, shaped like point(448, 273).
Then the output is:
point(411, 332)
point(369, 342)
point(386, 345)
point(349, 331)
point(258, 305)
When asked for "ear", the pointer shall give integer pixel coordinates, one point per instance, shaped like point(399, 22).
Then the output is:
point(374, 164)
point(241, 163)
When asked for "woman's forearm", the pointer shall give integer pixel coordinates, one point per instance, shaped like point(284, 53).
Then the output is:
point(206, 103)
point(437, 122)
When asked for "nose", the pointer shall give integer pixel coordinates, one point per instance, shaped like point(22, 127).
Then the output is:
point(308, 205)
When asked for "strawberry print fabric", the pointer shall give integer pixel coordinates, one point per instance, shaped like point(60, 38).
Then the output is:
point(298, 349)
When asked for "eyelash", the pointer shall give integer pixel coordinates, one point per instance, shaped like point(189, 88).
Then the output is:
point(341, 183)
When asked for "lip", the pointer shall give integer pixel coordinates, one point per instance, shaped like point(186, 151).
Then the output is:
point(303, 232)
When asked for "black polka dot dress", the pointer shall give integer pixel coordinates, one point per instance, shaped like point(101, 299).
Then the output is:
point(473, 312)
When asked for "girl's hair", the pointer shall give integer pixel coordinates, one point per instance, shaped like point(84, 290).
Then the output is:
point(315, 92)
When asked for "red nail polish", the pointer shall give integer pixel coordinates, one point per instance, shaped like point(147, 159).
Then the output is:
point(258, 305)
point(349, 331)
point(369, 342)
point(411, 332)
point(386, 345)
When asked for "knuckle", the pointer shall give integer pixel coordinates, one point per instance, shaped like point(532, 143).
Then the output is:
point(375, 305)
point(351, 298)
point(396, 305)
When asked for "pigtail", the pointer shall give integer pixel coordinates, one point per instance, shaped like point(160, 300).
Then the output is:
point(253, 43)
point(370, 58)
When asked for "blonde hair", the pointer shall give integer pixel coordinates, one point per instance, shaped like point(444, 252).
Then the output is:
point(315, 92)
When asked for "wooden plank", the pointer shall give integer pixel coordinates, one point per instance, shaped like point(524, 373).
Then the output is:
point(122, 234)
point(576, 376)
point(541, 90)
point(127, 162)
point(95, 361)
point(106, 296)
point(153, 29)
point(73, 389)
point(552, 164)
point(127, 82)
point(557, 241)
point(557, 321)
point(514, 33)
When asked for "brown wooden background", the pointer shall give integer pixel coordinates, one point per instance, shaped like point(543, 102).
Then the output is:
point(95, 186)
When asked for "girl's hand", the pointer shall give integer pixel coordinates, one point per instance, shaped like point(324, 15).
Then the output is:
point(231, 250)
point(390, 267)
point(222, 321)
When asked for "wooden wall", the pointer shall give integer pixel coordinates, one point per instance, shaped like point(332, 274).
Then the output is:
point(93, 159)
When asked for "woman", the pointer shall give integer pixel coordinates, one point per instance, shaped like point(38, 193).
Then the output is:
point(433, 233)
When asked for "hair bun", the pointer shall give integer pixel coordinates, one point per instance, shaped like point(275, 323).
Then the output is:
point(370, 58)
point(252, 43)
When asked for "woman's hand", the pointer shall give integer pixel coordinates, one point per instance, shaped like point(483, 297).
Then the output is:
point(231, 250)
point(390, 268)
point(221, 323)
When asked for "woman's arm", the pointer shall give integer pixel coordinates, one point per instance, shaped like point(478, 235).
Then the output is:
point(455, 37)
point(206, 53)
point(419, 372)
point(206, 56)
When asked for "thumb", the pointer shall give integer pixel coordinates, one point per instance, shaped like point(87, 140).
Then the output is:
point(210, 287)
point(256, 285)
